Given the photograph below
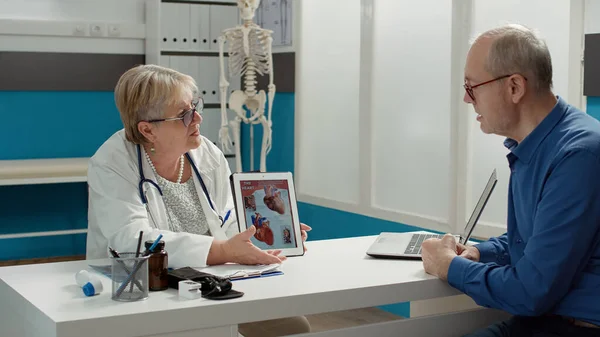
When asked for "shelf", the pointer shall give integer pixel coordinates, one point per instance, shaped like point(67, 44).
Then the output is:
point(201, 2)
point(210, 53)
point(46, 171)
point(40, 234)
point(43, 171)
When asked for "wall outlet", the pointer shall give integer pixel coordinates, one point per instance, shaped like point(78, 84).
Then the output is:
point(79, 30)
point(97, 29)
point(114, 30)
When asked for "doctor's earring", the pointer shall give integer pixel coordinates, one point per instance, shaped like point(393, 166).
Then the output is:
point(152, 150)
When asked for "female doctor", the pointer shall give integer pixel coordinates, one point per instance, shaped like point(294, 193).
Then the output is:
point(159, 175)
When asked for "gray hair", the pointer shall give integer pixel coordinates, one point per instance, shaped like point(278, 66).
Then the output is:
point(516, 49)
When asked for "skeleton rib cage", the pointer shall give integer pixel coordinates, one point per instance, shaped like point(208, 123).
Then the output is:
point(256, 61)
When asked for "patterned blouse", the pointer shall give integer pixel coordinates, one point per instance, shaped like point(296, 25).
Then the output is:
point(183, 207)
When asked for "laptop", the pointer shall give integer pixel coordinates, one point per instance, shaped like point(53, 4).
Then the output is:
point(408, 245)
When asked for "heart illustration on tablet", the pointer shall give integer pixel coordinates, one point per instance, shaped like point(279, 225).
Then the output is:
point(263, 230)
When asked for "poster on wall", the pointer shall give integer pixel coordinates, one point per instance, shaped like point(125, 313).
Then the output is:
point(276, 15)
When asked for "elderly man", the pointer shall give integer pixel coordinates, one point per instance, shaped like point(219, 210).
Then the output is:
point(545, 270)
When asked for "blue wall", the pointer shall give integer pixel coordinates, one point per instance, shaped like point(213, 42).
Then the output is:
point(42, 124)
point(49, 125)
point(281, 157)
point(593, 107)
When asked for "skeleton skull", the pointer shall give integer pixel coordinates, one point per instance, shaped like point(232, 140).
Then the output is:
point(247, 8)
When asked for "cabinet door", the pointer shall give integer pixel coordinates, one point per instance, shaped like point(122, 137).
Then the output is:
point(200, 27)
point(169, 31)
point(211, 125)
point(209, 74)
point(165, 61)
point(187, 65)
point(221, 17)
point(175, 26)
point(183, 26)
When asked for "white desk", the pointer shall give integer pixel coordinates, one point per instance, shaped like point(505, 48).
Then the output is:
point(333, 275)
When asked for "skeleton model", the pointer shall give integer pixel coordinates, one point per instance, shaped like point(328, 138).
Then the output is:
point(249, 53)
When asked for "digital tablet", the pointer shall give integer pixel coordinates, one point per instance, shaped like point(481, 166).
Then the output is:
point(267, 200)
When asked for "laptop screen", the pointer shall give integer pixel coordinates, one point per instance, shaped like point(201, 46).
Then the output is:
point(483, 199)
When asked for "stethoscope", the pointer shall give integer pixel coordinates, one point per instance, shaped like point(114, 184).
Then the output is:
point(143, 180)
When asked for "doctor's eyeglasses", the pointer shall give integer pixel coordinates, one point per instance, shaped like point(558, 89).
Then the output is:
point(187, 116)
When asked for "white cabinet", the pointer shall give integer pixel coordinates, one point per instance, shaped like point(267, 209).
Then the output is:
point(168, 14)
point(195, 27)
point(211, 123)
point(205, 71)
point(208, 67)
point(200, 27)
point(164, 61)
point(181, 25)
point(221, 17)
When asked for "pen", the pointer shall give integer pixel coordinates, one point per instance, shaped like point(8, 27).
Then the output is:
point(137, 266)
point(149, 251)
point(227, 216)
point(137, 254)
point(116, 255)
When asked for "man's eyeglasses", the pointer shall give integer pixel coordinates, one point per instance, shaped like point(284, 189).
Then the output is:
point(187, 115)
point(469, 88)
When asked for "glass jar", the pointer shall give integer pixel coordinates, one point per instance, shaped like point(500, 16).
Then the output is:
point(158, 264)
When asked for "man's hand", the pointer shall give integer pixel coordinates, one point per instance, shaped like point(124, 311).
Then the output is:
point(437, 255)
point(304, 229)
point(468, 252)
point(239, 249)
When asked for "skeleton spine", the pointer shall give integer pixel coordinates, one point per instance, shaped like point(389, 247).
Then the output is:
point(250, 78)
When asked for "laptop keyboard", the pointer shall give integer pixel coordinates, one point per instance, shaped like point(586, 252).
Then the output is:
point(414, 246)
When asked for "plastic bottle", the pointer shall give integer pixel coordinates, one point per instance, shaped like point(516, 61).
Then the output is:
point(158, 264)
point(89, 283)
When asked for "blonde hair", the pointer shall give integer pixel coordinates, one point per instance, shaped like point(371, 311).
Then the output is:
point(145, 91)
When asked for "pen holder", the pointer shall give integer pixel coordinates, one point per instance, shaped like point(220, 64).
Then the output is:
point(129, 276)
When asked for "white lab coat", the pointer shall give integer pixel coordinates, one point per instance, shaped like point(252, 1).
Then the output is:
point(116, 214)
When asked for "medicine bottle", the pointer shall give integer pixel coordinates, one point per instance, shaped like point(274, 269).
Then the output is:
point(158, 263)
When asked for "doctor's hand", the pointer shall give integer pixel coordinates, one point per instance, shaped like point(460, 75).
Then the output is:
point(438, 254)
point(240, 249)
point(304, 229)
point(468, 252)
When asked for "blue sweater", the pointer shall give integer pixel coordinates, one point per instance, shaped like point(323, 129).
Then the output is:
point(548, 262)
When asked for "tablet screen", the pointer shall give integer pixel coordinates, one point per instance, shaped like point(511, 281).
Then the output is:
point(267, 205)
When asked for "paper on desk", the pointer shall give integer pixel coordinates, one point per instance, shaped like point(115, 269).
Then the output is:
point(232, 270)
point(105, 270)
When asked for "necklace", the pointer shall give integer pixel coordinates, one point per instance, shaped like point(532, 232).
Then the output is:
point(181, 162)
